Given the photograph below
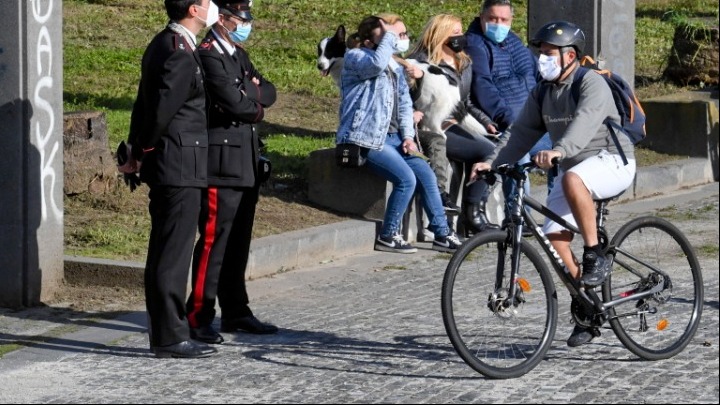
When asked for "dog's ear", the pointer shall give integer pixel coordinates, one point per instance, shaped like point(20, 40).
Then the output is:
point(340, 34)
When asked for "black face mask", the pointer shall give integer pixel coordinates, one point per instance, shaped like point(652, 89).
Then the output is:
point(457, 43)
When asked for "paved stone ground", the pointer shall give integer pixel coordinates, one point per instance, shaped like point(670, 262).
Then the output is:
point(369, 329)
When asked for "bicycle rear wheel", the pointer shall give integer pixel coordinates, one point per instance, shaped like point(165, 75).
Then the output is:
point(498, 341)
point(661, 325)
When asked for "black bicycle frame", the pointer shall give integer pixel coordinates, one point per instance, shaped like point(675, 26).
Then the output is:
point(573, 286)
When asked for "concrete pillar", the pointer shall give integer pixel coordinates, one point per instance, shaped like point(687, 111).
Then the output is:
point(31, 167)
point(609, 27)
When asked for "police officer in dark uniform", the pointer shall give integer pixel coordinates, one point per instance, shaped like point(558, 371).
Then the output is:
point(169, 138)
point(238, 96)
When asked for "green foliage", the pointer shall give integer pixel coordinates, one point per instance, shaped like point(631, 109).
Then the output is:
point(288, 153)
point(104, 41)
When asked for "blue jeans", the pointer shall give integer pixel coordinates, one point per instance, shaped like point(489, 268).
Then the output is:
point(405, 172)
point(509, 185)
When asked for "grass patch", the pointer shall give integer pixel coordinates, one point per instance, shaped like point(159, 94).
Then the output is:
point(101, 69)
point(395, 267)
point(10, 347)
point(288, 153)
point(674, 213)
point(708, 250)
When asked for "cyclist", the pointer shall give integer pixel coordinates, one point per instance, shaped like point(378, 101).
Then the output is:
point(590, 166)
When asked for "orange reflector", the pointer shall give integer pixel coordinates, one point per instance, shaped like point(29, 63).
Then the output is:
point(662, 324)
point(524, 285)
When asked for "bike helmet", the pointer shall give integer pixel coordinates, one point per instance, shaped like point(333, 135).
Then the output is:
point(560, 33)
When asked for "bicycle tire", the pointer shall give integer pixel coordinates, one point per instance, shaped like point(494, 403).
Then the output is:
point(501, 343)
point(660, 326)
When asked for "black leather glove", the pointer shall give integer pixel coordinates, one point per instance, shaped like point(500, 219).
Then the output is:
point(128, 166)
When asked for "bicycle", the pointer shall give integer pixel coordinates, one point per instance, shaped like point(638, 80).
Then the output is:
point(499, 302)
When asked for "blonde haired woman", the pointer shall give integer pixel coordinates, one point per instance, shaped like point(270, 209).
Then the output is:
point(441, 47)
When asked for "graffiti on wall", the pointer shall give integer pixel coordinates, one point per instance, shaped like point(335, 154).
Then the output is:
point(45, 114)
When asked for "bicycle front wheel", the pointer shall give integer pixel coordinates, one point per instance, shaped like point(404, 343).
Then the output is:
point(498, 336)
point(653, 253)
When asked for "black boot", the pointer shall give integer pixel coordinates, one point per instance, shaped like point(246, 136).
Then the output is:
point(475, 219)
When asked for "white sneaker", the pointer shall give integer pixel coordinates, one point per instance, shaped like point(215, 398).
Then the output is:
point(449, 243)
point(394, 244)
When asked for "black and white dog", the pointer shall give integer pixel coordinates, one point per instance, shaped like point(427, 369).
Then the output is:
point(440, 97)
point(331, 54)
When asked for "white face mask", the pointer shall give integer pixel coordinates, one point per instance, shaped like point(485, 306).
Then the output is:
point(548, 67)
point(212, 14)
point(402, 45)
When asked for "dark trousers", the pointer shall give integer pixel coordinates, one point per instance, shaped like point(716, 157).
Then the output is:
point(173, 212)
point(221, 254)
point(463, 147)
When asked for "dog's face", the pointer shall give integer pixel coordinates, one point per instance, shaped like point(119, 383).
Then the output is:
point(330, 50)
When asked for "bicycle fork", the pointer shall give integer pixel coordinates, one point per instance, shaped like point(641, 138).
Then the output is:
point(516, 286)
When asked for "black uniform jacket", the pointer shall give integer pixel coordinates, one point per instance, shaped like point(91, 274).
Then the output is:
point(236, 104)
point(169, 117)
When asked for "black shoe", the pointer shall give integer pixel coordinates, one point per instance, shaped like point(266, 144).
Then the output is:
point(450, 207)
point(582, 335)
point(248, 324)
point(475, 219)
point(595, 268)
point(186, 349)
point(448, 244)
point(206, 334)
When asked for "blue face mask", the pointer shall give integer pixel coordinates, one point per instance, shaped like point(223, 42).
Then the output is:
point(496, 32)
point(240, 34)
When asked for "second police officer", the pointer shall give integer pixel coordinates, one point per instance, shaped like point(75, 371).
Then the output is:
point(237, 97)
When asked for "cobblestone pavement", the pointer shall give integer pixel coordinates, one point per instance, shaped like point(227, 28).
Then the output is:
point(369, 329)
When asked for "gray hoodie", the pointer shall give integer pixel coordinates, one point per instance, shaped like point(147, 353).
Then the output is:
point(577, 130)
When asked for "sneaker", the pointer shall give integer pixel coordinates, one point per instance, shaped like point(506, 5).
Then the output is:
point(595, 268)
point(393, 244)
point(448, 243)
point(582, 335)
point(450, 207)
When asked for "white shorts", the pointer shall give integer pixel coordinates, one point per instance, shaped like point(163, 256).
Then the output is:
point(604, 175)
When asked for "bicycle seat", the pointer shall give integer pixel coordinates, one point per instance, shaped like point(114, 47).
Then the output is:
point(607, 200)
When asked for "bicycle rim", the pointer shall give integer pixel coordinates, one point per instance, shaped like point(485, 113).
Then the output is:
point(498, 342)
point(660, 326)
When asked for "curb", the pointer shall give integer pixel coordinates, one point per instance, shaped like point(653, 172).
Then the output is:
point(279, 253)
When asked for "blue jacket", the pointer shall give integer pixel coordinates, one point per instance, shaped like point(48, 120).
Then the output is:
point(503, 74)
point(369, 94)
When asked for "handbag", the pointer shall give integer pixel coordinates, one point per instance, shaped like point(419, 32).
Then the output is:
point(350, 155)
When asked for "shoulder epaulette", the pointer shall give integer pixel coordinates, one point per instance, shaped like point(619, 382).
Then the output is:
point(179, 42)
point(206, 44)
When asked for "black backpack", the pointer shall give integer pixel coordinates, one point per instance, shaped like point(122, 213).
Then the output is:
point(632, 115)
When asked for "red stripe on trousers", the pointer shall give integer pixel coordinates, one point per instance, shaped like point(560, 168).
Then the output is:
point(205, 256)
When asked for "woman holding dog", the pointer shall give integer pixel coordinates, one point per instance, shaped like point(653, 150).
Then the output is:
point(441, 45)
point(376, 113)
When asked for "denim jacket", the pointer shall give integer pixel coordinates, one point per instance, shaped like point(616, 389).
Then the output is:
point(369, 92)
